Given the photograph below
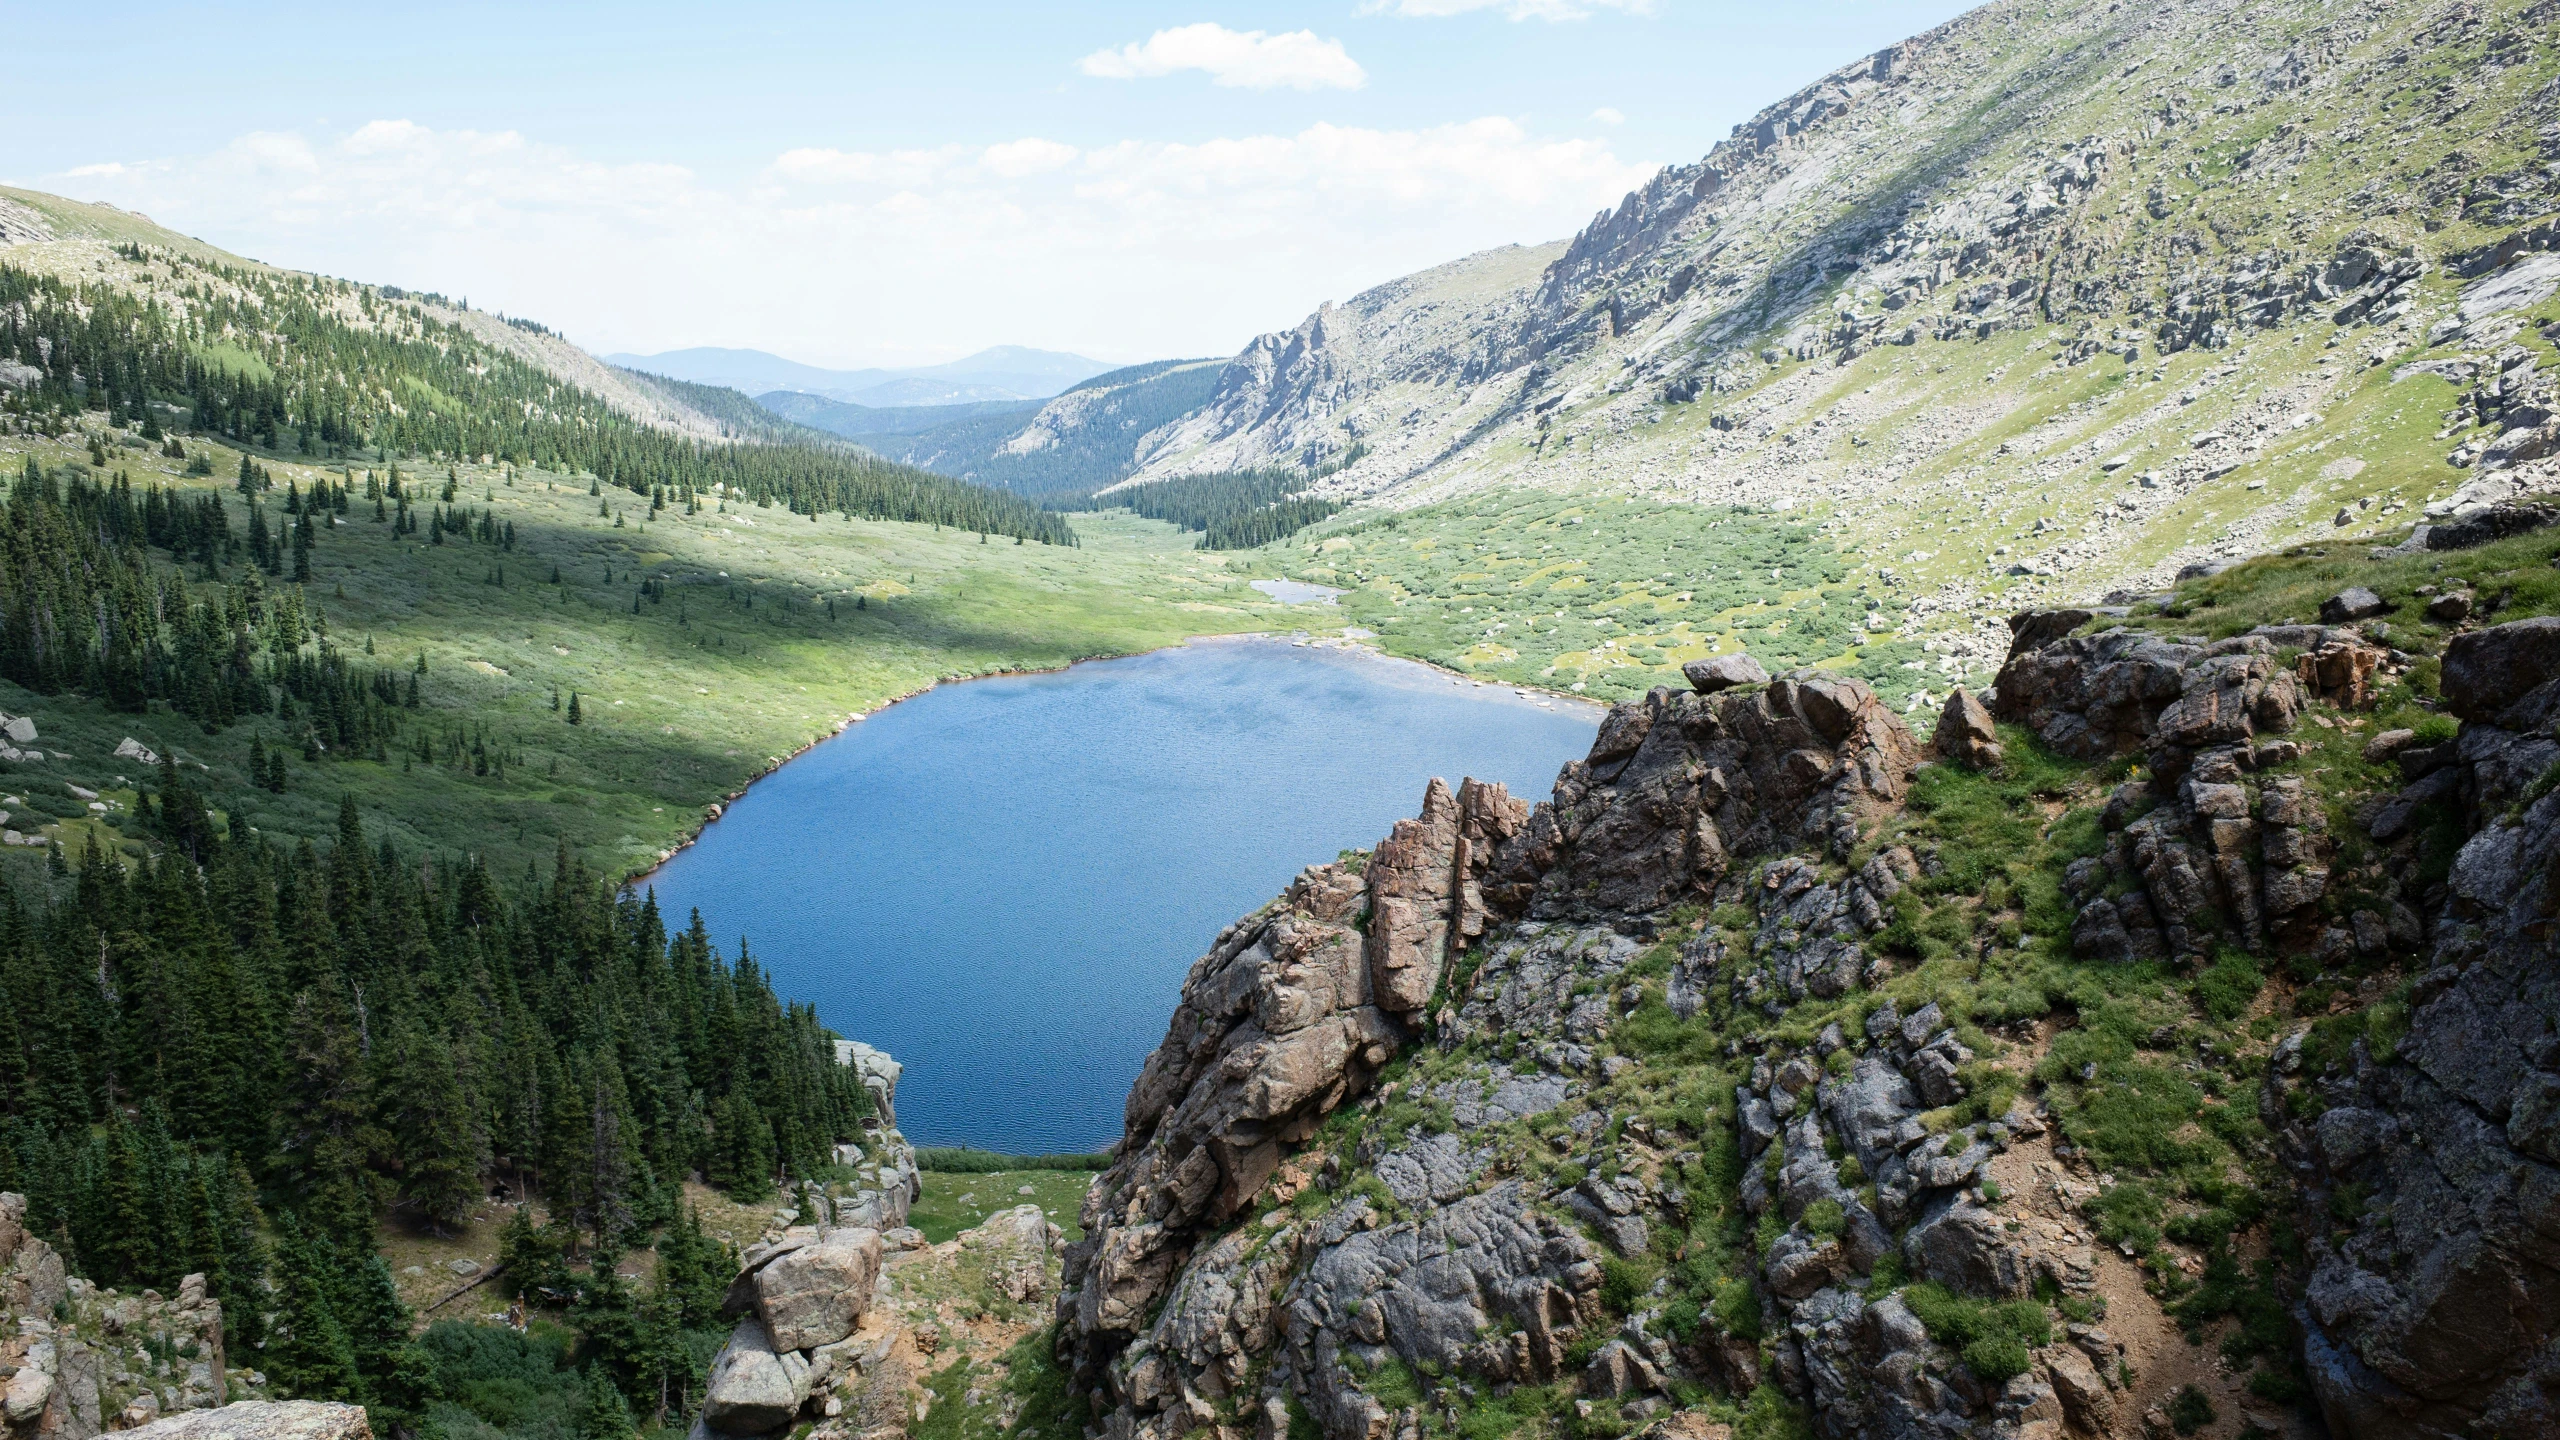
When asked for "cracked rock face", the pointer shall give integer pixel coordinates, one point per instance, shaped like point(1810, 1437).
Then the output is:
point(2426, 1317)
point(1293, 1011)
point(1678, 785)
point(1287, 1017)
point(2432, 1315)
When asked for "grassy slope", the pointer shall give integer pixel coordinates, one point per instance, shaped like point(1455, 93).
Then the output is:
point(684, 702)
point(953, 1203)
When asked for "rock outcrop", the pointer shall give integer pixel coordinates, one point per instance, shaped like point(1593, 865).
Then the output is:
point(263, 1420)
point(840, 1327)
point(1467, 990)
point(2430, 1313)
point(802, 1292)
point(2218, 843)
point(70, 1361)
point(1291, 1014)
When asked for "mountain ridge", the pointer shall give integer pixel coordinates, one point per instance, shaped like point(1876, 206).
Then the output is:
point(997, 374)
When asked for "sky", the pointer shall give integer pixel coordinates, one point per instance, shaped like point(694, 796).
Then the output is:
point(872, 184)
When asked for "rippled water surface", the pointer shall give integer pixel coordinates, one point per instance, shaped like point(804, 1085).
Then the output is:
point(1003, 882)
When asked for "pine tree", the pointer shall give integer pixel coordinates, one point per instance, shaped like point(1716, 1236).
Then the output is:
point(534, 1256)
point(394, 1375)
point(442, 1149)
point(313, 1358)
point(693, 1270)
point(575, 717)
point(605, 1415)
point(241, 1284)
point(123, 1250)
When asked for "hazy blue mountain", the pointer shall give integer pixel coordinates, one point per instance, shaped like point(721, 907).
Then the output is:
point(1005, 372)
point(855, 421)
point(1095, 433)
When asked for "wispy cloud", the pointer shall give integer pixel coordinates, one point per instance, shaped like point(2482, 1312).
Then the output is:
point(1610, 115)
point(1514, 9)
point(1251, 59)
point(1138, 247)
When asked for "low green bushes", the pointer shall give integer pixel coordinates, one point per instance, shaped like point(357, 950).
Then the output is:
point(961, 1161)
point(1992, 1336)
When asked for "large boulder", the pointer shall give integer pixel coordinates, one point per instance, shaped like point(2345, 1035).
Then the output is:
point(2487, 670)
point(1723, 672)
point(755, 1387)
point(2086, 1401)
point(811, 1289)
point(263, 1420)
point(1965, 731)
point(1962, 1247)
point(2494, 522)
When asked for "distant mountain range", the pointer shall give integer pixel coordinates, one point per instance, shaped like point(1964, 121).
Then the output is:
point(1003, 373)
point(859, 421)
point(1093, 434)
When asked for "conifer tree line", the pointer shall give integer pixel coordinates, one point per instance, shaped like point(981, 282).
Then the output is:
point(292, 361)
point(236, 1058)
point(1234, 510)
point(82, 607)
point(371, 1033)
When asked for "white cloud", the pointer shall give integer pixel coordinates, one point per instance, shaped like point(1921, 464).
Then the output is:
point(861, 167)
point(1514, 9)
point(1251, 59)
point(1610, 115)
point(1032, 156)
point(1135, 249)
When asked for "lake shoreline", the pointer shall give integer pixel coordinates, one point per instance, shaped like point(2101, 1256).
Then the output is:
point(640, 877)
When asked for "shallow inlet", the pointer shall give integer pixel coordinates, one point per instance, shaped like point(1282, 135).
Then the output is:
point(1003, 882)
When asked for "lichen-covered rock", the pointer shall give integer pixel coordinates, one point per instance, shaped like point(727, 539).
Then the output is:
point(1965, 731)
point(811, 1288)
point(263, 1420)
point(754, 1388)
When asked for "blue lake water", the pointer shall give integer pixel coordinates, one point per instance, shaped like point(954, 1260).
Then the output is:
point(1003, 882)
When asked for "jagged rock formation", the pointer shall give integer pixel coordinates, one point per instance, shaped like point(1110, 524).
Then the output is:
point(1246, 1266)
point(1291, 1013)
point(70, 1357)
point(2201, 852)
point(2431, 1313)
